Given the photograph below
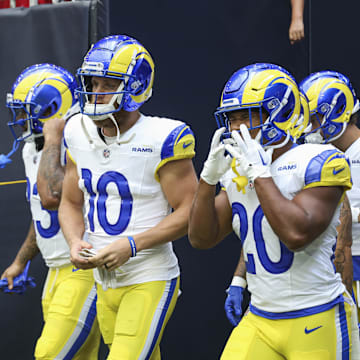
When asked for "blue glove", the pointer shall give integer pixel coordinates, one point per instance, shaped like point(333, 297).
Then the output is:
point(4, 160)
point(233, 304)
point(20, 282)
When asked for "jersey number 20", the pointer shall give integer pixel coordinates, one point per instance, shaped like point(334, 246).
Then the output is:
point(286, 257)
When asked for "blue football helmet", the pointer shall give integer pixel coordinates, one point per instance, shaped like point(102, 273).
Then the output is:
point(118, 57)
point(41, 92)
point(332, 101)
point(273, 92)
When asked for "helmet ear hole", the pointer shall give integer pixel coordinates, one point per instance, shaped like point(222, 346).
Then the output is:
point(340, 110)
point(49, 110)
point(287, 113)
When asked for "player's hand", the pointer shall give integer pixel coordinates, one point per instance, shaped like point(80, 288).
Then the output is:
point(296, 31)
point(113, 255)
point(217, 163)
point(15, 269)
point(250, 155)
point(233, 304)
point(53, 130)
point(79, 261)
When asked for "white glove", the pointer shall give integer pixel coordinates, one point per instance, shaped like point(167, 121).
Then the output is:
point(217, 163)
point(250, 155)
point(355, 211)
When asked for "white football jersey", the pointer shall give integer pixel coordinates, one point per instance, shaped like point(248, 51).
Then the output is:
point(353, 153)
point(49, 237)
point(280, 280)
point(122, 193)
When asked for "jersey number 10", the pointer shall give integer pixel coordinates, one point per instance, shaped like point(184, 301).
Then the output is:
point(124, 194)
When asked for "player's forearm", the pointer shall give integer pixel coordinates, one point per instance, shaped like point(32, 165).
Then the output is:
point(344, 266)
point(29, 248)
point(203, 221)
point(241, 266)
point(71, 221)
point(343, 257)
point(50, 175)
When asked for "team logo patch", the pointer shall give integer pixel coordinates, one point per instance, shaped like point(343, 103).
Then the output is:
point(106, 153)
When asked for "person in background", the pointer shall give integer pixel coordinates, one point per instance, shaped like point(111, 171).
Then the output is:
point(296, 29)
point(334, 110)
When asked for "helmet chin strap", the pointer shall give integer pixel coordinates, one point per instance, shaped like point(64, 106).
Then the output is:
point(118, 134)
point(277, 146)
point(91, 141)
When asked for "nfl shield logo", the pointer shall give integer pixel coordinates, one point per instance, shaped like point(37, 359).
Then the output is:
point(106, 153)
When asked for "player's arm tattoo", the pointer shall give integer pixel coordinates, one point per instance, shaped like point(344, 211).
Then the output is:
point(241, 267)
point(343, 258)
point(51, 170)
point(29, 248)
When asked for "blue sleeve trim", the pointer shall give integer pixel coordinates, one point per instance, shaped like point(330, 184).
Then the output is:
point(172, 139)
point(298, 313)
point(313, 170)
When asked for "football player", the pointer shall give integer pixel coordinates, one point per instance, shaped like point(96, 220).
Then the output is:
point(334, 110)
point(236, 298)
point(129, 170)
point(43, 93)
point(283, 201)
